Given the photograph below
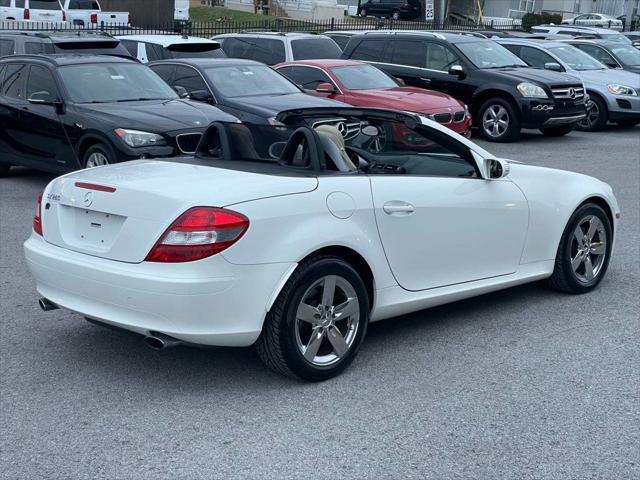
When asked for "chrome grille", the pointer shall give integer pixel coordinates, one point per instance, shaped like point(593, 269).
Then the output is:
point(458, 116)
point(571, 92)
point(442, 117)
point(188, 142)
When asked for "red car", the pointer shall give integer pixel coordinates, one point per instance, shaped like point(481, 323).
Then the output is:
point(363, 85)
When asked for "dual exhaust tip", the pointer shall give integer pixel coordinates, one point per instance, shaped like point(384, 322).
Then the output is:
point(155, 340)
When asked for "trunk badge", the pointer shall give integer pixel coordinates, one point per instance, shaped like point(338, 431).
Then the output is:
point(88, 199)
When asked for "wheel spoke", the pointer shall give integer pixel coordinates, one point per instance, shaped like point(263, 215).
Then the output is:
point(496, 131)
point(598, 248)
point(594, 225)
point(337, 341)
point(314, 344)
point(493, 114)
point(576, 262)
point(588, 268)
point(578, 234)
point(346, 309)
point(308, 314)
point(328, 290)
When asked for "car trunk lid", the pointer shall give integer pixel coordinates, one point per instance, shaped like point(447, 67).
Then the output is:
point(119, 211)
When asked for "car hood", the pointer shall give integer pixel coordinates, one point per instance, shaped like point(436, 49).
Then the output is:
point(271, 105)
point(157, 116)
point(406, 98)
point(536, 75)
point(600, 78)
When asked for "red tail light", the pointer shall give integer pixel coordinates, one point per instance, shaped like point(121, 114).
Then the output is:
point(199, 233)
point(27, 14)
point(37, 219)
point(94, 18)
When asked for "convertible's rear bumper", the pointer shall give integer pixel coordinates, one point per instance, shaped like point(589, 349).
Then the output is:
point(210, 302)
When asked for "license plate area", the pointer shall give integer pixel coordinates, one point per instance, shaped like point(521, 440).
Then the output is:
point(90, 229)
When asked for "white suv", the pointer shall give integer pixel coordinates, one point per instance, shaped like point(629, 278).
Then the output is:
point(150, 48)
point(36, 10)
point(273, 48)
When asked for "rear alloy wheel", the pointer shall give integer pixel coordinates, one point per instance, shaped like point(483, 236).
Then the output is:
point(558, 131)
point(316, 327)
point(96, 156)
point(584, 251)
point(4, 169)
point(498, 121)
point(597, 116)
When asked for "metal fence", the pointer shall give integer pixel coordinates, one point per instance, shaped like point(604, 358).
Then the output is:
point(269, 25)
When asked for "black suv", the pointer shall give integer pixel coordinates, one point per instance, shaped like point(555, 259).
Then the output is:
point(503, 93)
point(64, 112)
point(16, 42)
point(396, 9)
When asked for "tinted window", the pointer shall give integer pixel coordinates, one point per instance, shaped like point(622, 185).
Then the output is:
point(189, 79)
point(154, 52)
point(88, 47)
point(341, 40)
point(369, 50)
point(440, 57)
point(5, 3)
point(165, 72)
point(598, 53)
point(19, 4)
point(131, 46)
point(7, 47)
point(44, 5)
point(84, 5)
point(34, 48)
point(247, 80)
point(534, 57)
point(410, 52)
point(319, 47)
point(194, 50)
point(265, 50)
point(307, 77)
point(13, 83)
point(41, 84)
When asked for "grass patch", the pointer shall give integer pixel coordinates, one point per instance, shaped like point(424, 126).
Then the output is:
point(225, 15)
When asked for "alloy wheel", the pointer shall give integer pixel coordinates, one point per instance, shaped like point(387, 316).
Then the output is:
point(593, 114)
point(97, 159)
point(327, 321)
point(495, 121)
point(588, 249)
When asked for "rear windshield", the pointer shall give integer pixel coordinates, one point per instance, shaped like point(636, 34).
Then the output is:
point(310, 48)
point(45, 5)
point(84, 5)
point(195, 50)
point(94, 48)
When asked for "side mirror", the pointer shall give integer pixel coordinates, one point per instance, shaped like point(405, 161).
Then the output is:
point(457, 71)
point(401, 81)
point(496, 168)
point(45, 98)
point(201, 96)
point(181, 91)
point(556, 67)
point(326, 88)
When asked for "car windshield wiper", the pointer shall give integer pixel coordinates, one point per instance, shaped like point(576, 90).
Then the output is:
point(141, 99)
point(505, 66)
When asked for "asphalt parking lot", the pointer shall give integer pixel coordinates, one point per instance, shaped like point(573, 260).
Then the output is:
point(524, 383)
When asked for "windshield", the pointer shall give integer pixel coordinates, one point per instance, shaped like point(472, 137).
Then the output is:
point(628, 55)
point(576, 59)
point(615, 37)
point(363, 77)
point(249, 80)
point(489, 55)
point(113, 82)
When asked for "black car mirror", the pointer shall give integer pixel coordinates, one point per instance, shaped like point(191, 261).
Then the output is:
point(456, 70)
point(181, 91)
point(44, 97)
point(556, 67)
point(201, 96)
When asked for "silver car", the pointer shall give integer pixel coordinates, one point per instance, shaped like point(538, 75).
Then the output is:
point(614, 94)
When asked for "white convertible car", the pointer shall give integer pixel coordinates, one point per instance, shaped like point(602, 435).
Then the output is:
point(295, 236)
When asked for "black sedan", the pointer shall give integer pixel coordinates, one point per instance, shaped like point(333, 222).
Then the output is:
point(612, 54)
point(64, 112)
point(248, 90)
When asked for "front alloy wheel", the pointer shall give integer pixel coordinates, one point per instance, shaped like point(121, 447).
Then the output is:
point(588, 249)
point(316, 326)
point(498, 121)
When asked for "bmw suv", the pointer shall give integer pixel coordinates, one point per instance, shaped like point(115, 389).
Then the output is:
point(502, 91)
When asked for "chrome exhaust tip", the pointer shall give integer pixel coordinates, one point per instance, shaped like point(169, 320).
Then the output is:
point(47, 305)
point(160, 341)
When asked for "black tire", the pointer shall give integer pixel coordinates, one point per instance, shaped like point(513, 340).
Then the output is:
point(564, 278)
point(595, 122)
point(628, 123)
point(97, 149)
point(278, 346)
point(558, 131)
point(512, 130)
point(4, 169)
point(363, 12)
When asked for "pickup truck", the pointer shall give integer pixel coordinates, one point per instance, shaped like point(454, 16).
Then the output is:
point(88, 12)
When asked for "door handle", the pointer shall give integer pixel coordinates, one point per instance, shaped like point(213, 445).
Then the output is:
point(425, 80)
point(398, 208)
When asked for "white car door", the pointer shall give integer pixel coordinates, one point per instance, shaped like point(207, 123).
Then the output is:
point(441, 223)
